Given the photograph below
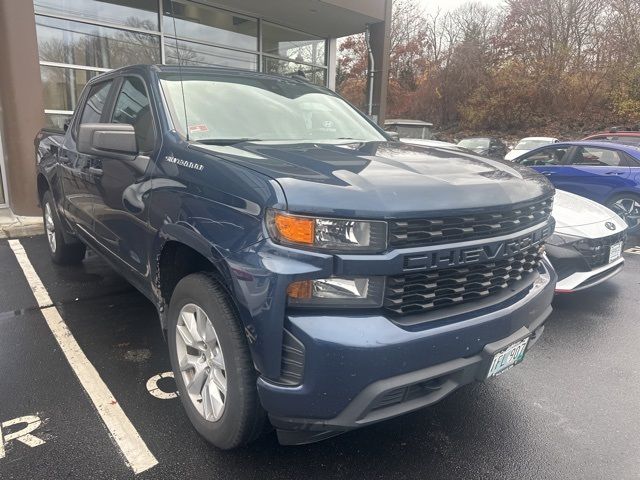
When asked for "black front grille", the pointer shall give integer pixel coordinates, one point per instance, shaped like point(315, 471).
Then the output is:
point(438, 230)
point(428, 291)
point(596, 251)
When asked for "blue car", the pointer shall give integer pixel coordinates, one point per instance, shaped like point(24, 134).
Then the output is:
point(606, 172)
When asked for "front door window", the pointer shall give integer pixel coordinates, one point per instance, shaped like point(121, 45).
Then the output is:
point(544, 156)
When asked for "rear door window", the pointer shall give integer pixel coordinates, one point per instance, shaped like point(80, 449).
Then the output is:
point(598, 157)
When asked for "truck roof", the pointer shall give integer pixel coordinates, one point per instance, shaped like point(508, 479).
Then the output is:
point(191, 69)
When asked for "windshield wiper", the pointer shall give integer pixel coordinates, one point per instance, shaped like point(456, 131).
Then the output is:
point(226, 141)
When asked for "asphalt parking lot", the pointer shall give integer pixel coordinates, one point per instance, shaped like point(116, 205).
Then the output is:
point(569, 411)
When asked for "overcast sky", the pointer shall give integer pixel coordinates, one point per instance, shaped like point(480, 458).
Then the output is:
point(432, 5)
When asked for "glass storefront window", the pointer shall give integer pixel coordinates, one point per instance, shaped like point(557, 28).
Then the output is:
point(62, 86)
point(76, 43)
point(317, 75)
point(141, 14)
point(204, 32)
point(291, 44)
point(56, 121)
point(198, 54)
point(210, 25)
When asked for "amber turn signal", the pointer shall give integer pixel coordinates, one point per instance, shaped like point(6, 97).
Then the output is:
point(300, 290)
point(295, 229)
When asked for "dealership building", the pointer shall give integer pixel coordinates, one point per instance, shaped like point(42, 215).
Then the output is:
point(51, 48)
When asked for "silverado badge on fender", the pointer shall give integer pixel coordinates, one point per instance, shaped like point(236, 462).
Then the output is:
point(184, 163)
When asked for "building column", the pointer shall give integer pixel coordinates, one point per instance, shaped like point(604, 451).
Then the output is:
point(381, 47)
point(22, 102)
point(332, 62)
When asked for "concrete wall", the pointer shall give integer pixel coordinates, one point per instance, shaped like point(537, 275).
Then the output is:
point(22, 104)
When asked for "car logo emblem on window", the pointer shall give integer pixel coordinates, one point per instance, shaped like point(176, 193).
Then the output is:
point(610, 225)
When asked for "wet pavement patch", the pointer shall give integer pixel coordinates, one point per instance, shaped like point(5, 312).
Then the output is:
point(569, 411)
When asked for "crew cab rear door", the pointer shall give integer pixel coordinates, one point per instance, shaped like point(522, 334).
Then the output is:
point(595, 172)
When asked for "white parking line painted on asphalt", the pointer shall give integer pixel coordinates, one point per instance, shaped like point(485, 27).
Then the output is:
point(126, 437)
point(633, 250)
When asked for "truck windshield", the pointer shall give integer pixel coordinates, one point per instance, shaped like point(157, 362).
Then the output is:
point(225, 107)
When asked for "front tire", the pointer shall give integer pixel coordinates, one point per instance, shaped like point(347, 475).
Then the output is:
point(62, 252)
point(212, 364)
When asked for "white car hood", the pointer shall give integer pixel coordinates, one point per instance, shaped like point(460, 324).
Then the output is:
point(581, 217)
point(513, 154)
point(428, 143)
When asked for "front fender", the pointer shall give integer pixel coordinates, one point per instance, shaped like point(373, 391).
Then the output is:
point(185, 234)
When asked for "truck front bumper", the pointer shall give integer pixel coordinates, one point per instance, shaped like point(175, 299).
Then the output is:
point(361, 369)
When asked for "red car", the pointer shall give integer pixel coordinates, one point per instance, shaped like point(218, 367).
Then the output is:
point(615, 135)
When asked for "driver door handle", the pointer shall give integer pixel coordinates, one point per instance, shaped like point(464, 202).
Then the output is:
point(614, 173)
point(547, 173)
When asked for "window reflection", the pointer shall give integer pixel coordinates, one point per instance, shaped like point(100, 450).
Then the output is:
point(191, 53)
point(62, 86)
point(317, 75)
point(56, 121)
point(210, 25)
point(77, 43)
point(95, 102)
point(291, 44)
point(132, 13)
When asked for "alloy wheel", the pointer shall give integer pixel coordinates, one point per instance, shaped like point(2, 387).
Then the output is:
point(629, 210)
point(50, 227)
point(201, 362)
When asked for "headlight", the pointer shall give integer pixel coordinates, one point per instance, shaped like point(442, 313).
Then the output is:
point(364, 292)
point(327, 233)
point(559, 239)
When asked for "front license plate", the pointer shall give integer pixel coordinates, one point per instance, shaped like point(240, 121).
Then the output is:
point(615, 252)
point(508, 357)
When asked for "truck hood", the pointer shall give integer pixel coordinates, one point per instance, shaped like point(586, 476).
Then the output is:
point(384, 179)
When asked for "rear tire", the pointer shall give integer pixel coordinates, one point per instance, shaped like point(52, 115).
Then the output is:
point(62, 252)
point(627, 206)
point(222, 402)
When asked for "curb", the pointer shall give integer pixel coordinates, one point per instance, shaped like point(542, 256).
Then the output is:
point(22, 227)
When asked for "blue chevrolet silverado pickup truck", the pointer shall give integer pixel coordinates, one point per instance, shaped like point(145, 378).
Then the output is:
point(308, 272)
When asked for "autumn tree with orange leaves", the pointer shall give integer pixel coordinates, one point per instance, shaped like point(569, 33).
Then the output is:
point(552, 66)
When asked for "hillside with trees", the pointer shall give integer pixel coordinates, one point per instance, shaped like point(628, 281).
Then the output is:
point(558, 67)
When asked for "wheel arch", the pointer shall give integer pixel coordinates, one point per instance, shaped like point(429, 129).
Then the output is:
point(181, 251)
point(618, 193)
point(42, 185)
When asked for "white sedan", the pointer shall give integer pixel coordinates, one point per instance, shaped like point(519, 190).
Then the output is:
point(586, 248)
point(527, 144)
